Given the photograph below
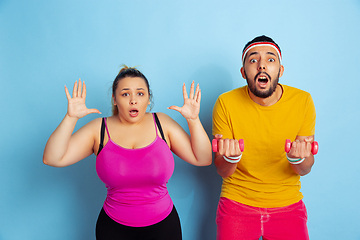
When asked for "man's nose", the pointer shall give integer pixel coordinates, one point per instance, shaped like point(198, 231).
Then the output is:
point(262, 65)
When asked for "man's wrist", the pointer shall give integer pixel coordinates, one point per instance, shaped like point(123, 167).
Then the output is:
point(232, 159)
point(295, 160)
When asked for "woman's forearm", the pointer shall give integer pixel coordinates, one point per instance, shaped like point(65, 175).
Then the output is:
point(200, 142)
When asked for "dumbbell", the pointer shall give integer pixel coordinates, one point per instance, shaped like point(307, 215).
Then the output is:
point(215, 145)
point(314, 146)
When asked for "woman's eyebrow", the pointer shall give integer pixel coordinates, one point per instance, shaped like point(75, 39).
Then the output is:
point(126, 89)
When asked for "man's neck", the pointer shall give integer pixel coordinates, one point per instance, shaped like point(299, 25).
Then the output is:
point(274, 98)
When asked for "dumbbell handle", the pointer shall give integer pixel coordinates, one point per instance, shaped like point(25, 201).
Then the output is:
point(215, 145)
point(314, 146)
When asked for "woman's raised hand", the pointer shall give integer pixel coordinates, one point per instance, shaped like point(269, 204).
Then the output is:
point(76, 103)
point(191, 108)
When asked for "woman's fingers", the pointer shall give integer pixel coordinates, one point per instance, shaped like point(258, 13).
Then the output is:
point(176, 108)
point(192, 90)
point(185, 95)
point(198, 94)
point(68, 96)
point(84, 90)
point(74, 93)
point(79, 88)
point(94, 110)
point(195, 93)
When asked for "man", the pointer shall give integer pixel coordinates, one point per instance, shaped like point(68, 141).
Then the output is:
point(260, 193)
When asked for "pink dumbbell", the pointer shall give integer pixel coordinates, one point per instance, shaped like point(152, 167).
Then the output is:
point(215, 145)
point(314, 146)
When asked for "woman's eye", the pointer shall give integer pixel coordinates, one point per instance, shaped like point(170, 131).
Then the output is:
point(141, 94)
point(125, 94)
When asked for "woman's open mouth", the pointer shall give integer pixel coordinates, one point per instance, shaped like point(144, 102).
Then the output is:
point(134, 112)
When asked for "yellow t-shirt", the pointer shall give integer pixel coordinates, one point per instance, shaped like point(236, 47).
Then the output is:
point(264, 177)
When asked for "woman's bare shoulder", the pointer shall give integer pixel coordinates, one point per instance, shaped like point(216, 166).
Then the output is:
point(94, 124)
point(164, 118)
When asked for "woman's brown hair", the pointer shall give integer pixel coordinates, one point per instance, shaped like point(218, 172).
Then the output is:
point(128, 72)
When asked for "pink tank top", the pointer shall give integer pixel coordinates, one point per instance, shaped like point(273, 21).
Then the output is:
point(136, 181)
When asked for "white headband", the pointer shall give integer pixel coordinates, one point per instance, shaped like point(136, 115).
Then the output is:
point(261, 44)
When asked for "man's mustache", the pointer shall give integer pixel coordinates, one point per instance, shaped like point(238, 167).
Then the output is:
point(263, 73)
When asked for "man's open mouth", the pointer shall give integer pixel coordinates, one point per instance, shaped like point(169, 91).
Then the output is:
point(263, 79)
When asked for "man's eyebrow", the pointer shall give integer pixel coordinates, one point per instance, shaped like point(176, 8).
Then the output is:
point(271, 53)
point(255, 53)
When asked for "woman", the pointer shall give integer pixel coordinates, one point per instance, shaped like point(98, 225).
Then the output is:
point(133, 155)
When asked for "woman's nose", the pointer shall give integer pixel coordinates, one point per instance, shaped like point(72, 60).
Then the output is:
point(133, 101)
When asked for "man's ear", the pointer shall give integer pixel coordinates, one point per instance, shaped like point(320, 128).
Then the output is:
point(281, 71)
point(242, 70)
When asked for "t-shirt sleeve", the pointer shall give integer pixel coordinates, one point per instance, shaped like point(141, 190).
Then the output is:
point(308, 127)
point(220, 119)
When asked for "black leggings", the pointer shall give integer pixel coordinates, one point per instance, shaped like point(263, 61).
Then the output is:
point(167, 229)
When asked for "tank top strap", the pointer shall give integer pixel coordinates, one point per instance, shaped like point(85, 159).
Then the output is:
point(157, 123)
point(107, 130)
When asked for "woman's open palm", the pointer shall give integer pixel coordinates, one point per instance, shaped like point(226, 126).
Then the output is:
point(191, 108)
point(76, 103)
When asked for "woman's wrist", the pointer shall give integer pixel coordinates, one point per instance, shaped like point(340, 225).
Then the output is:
point(193, 119)
point(71, 118)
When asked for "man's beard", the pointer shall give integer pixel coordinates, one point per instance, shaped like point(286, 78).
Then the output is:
point(259, 93)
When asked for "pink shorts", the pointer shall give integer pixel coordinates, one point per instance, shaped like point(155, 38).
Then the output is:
point(238, 221)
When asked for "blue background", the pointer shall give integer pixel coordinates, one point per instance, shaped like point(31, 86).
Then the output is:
point(47, 44)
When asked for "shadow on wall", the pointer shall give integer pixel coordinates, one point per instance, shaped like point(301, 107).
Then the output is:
point(213, 80)
point(40, 198)
point(84, 194)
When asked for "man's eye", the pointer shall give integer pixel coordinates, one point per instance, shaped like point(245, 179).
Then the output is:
point(253, 60)
point(271, 60)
